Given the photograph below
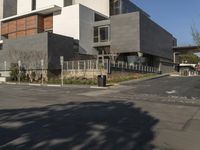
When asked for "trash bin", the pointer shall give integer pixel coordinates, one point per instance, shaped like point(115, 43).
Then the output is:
point(101, 80)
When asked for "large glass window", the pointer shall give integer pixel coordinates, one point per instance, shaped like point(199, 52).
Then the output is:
point(33, 4)
point(67, 3)
point(103, 31)
point(101, 34)
point(115, 7)
point(96, 35)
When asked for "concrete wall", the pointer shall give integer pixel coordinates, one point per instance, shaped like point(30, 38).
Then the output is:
point(1, 9)
point(59, 46)
point(125, 33)
point(45, 44)
point(101, 6)
point(135, 32)
point(16, 49)
point(24, 6)
point(154, 39)
point(86, 30)
point(67, 22)
point(45, 3)
point(76, 21)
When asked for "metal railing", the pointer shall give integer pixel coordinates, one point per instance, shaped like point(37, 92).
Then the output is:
point(83, 65)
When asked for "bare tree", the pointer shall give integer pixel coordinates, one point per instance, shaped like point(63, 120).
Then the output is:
point(112, 53)
point(30, 60)
point(195, 35)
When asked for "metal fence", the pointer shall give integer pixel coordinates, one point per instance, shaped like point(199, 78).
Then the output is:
point(84, 65)
point(124, 66)
point(87, 65)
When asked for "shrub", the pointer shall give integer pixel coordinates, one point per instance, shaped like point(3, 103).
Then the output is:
point(14, 72)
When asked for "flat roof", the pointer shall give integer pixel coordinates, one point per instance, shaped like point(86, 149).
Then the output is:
point(41, 11)
point(193, 49)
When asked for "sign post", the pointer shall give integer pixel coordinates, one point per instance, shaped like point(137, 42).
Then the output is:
point(42, 65)
point(19, 75)
point(61, 63)
point(5, 66)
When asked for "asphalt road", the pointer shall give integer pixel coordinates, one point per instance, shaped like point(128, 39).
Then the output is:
point(174, 86)
point(125, 117)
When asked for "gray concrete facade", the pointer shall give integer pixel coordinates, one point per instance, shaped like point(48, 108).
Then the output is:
point(45, 46)
point(155, 40)
point(59, 46)
point(125, 33)
point(135, 32)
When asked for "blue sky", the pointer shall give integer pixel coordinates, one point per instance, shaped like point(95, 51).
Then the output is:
point(176, 16)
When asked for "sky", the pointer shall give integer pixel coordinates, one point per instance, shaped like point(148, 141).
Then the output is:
point(176, 16)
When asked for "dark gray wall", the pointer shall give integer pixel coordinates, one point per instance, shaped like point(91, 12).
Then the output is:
point(59, 46)
point(10, 8)
point(154, 39)
point(47, 44)
point(125, 33)
point(128, 7)
point(13, 47)
point(135, 32)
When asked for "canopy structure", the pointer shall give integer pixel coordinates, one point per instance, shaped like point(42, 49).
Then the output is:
point(187, 49)
point(184, 49)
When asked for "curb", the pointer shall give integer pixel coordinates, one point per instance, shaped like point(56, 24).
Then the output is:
point(45, 85)
point(144, 79)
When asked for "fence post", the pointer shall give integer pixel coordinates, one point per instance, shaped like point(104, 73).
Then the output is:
point(97, 64)
point(67, 65)
point(73, 65)
point(78, 65)
point(84, 65)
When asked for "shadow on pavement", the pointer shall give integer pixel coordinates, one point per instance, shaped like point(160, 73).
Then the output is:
point(87, 126)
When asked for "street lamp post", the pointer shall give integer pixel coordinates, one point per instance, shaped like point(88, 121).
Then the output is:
point(61, 63)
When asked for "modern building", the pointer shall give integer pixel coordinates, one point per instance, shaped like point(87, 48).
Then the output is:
point(65, 27)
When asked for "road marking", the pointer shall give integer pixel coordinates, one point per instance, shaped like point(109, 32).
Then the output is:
point(171, 92)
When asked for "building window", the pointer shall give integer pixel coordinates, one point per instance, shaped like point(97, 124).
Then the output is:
point(115, 7)
point(96, 35)
point(33, 4)
point(101, 34)
point(67, 3)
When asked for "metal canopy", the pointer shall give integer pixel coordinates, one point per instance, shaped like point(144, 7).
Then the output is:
point(187, 49)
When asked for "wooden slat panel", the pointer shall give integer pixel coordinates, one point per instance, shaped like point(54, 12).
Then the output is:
point(21, 24)
point(31, 32)
point(31, 22)
point(48, 22)
point(21, 33)
point(4, 28)
point(12, 26)
point(12, 36)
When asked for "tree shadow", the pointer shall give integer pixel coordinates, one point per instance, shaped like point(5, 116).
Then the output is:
point(87, 126)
